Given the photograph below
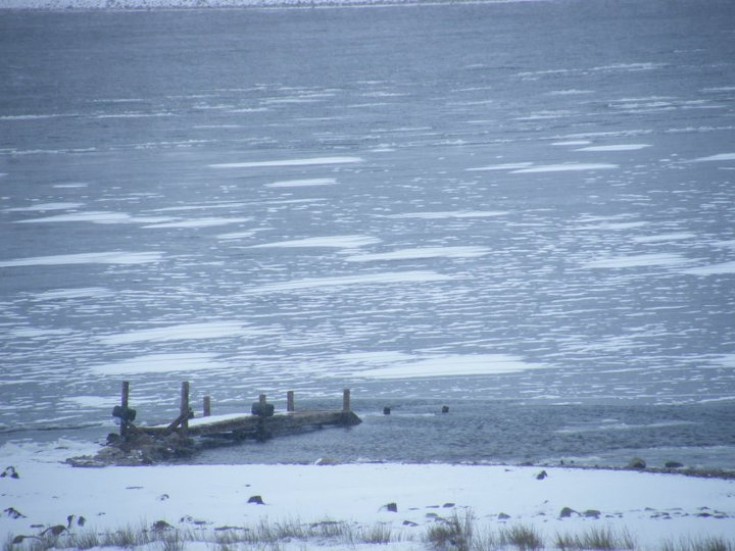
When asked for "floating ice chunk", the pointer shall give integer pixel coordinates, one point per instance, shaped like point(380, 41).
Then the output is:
point(160, 363)
point(291, 162)
point(384, 278)
point(42, 207)
point(713, 269)
point(308, 182)
point(84, 258)
point(718, 157)
point(618, 147)
point(571, 142)
point(565, 167)
point(81, 292)
point(450, 214)
point(503, 166)
point(450, 366)
point(676, 236)
point(614, 226)
point(423, 252)
point(637, 261)
point(200, 222)
point(332, 241)
point(100, 217)
point(186, 331)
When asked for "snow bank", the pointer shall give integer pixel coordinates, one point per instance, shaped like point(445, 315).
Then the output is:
point(653, 507)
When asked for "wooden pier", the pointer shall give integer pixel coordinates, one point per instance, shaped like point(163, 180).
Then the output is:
point(183, 436)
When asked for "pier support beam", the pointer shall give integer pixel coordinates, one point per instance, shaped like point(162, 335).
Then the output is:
point(346, 406)
point(184, 407)
point(207, 410)
point(290, 408)
point(124, 403)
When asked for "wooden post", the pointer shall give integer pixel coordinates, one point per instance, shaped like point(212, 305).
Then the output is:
point(346, 400)
point(124, 403)
point(262, 400)
point(184, 406)
point(207, 406)
point(290, 402)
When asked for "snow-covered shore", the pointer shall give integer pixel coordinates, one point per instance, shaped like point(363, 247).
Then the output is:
point(652, 508)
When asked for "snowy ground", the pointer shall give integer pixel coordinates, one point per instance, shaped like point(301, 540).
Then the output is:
point(653, 508)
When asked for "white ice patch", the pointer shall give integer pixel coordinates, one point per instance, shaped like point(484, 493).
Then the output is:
point(186, 331)
point(567, 143)
point(639, 261)
point(331, 241)
point(423, 252)
point(674, 236)
point(502, 166)
point(33, 332)
point(84, 258)
point(240, 234)
point(449, 214)
point(90, 401)
point(725, 360)
point(81, 292)
point(43, 207)
point(99, 217)
point(713, 269)
point(716, 158)
point(307, 182)
point(450, 366)
point(291, 162)
point(614, 226)
point(200, 222)
point(618, 147)
point(384, 278)
point(565, 167)
point(160, 363)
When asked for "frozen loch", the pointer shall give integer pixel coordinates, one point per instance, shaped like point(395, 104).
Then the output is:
point(520, 210)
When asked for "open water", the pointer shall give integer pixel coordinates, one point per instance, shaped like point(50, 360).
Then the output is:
point(524, 211)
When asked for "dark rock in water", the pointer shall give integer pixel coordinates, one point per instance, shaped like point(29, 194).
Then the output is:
point(445, 409)
point(256, 499)
point(592, 513)
point(542, 475)
point(636, 464)
point(392, 507)
point(673, 465)
point(567, 512)
point(386, 410)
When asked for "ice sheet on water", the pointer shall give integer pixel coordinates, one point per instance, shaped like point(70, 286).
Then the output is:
point(185, 331)
point(329, 241)
point(290, 162)
point(673, 236)
point(98, 217)
point(383, 278)
point(160, 363)
point(440, 215)
point(617, 147)
point(85, 258)
point(502, 166)
point(640, 261)
point(42, 207)
point(208, 222)
point(565, 167)
point(422, 252)
point(716, 158)
point(80, 292)
point(458, 365)
point(306, 182)
point(723, 268)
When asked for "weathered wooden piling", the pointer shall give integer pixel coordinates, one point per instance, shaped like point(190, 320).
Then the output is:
point(207, 406)
point(346, 406)
point(185, 410)
point(290, 405)
point(124, 404)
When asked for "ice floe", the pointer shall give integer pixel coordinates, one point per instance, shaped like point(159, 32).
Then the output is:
point(85, 258)
point(305, 182)
point(639, 261)
point(565, 167)
point(450, 366)
point(422, 252)
point(160, 363)
point(290, 162)
point(329, 241)
point(384, 278)
point(185, 331)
